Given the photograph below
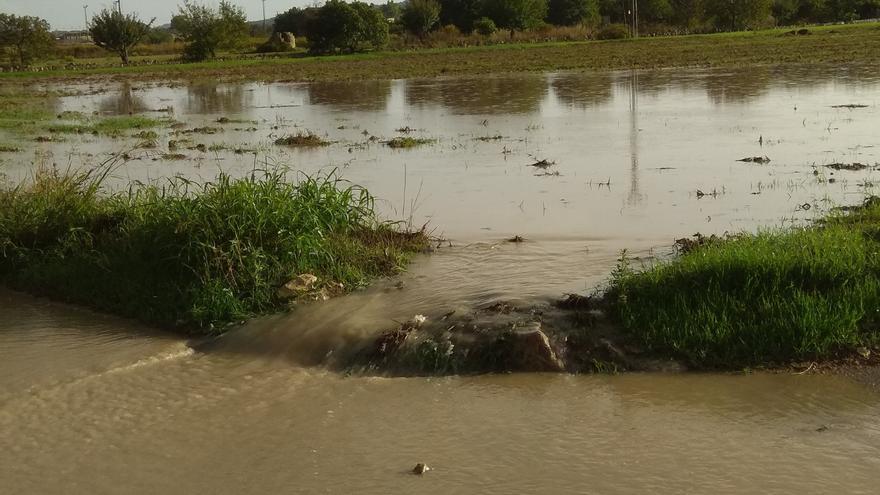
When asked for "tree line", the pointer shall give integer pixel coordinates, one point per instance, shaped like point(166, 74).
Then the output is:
point(340, 26)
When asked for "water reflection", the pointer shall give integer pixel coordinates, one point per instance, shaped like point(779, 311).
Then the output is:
point(582, 90)
point(215, 98)
point(481, 96)
point(351, 95)
point(122, 102)
point(635, 196)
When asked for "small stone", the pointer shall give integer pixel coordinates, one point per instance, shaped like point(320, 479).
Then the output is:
point(298, 286)
point(864, 352)
point(421, 468)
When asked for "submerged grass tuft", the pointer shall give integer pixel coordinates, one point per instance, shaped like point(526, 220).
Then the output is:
point(407, 142)
point(188, 254)
point(776, 296)
point(302, 140)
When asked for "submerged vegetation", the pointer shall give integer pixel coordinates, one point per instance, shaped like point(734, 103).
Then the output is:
point(192, 255)
point(302, 140)
point(775, 296)
point(407, 142)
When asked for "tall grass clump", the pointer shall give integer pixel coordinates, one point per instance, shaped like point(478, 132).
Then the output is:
point(193, 255)
point(772, 297)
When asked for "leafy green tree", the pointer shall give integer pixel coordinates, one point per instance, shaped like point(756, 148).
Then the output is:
point(737, 15)
point(571, 12)
point(461, 13)
point(516, 15)
point(118, 32)
point(794, 11)
point(349, 27)
point(420, 16)
point(205, 29)
point(25, 37)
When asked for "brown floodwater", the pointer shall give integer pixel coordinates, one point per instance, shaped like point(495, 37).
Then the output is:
point(94, 404)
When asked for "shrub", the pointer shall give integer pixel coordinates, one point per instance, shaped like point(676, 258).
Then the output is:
point(613, 32)
point(420, 16)
point(485, 26)
point(347, 27)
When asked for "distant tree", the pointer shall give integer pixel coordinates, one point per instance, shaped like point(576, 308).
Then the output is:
point(788, 12)
point(689, 14)
point(571, 12)
point(848, 10)
point(461, 13)
point(158, 35)
point(205, 29)
point(737, 15)
point(390, 10)
point(295, 20)
point(655, 10)
point(118, 33)
point(420, 16)
point(515, 15)
point(25, 37)
point(346, 27)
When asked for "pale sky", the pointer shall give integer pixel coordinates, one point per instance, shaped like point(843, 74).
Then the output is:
point(68, 14)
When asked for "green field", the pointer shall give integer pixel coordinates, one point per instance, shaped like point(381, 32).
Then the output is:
point(839, 44)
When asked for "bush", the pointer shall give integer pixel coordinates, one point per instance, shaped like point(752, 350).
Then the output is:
point(485, 26)
point(205, 29)
point(613, 32)
point(420, 16)
point(187, 254)
point(347, 27)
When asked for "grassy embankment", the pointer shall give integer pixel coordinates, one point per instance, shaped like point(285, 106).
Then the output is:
point(773, 297)
point(839, 44)
point(193, 256)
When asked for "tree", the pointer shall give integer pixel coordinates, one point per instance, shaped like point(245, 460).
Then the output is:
point(461, 13)
point(350, 27)
point(571, 12)
point(205, 30)
point(27, 37)
point(515, 15)
point(420, 16)
point(295, 20)
point(118, 33)
point(737, 15)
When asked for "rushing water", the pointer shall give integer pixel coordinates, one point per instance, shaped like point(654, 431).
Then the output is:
point(92, 404)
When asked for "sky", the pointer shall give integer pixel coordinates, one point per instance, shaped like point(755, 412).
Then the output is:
point(68, 14)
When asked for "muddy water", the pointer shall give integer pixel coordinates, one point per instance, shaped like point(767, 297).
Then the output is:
point(92, 404)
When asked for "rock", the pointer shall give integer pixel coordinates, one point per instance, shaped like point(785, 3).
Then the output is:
point(298, 286)
point(864, 352)
point(531, 351)
point(421, 468)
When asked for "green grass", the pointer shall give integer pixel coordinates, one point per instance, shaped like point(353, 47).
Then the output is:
point(110, 126)
point(842, 44)
point(189, 255)
point(772, 297)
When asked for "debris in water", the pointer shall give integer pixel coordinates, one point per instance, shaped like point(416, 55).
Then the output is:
point(421, 468)
point(755, 159)
point(850, 106)
point(517, 239)
point(822, 428)
point(847, 166)
point(548, 174)
point(542, 164)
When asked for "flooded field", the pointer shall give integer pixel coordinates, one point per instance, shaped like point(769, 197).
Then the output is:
point(634, 160)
